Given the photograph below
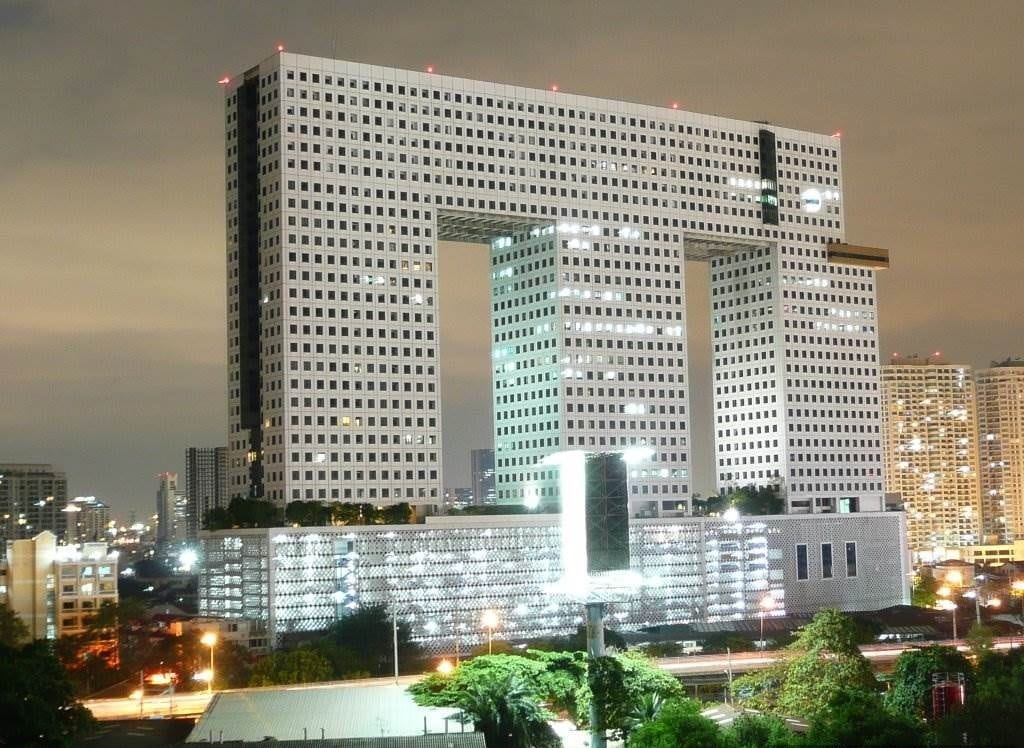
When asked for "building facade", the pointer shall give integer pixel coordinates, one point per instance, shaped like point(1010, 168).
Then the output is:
point(55, 589)
point(86, 520)
point(206, 484)
point(931, 452)
point(481, 463)
point(1000, 391)
point(440, 576)
point(341, 179)
point(172, 516)
point(32, 499)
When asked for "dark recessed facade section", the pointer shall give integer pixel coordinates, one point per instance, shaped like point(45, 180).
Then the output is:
point(769, 177)
point(607, 513)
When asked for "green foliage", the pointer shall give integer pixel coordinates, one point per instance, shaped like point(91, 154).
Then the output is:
point(256, 513)
point(991, 714)
point(910, 694)
point(679, 724)
point(857, 718)
point(664, 649)
point(823, 662)
point(439, 690)
point(979, 639)
point(506, 710)
point(361, 644)
point(761, 731)
point(564, 674)
point(13, 631)
point(36, 699)
point(748, 500)
point(925, 593)
point(606, 678)
point(718, 642)
point(301, 665)
point(244, 513)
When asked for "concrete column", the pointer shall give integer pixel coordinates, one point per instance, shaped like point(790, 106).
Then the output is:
point(595, 649)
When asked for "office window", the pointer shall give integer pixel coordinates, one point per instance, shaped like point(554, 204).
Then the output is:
point(851, 559)
point(801, 561)
point(826, 560)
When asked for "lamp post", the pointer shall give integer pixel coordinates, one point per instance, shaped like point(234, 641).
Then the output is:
point(210, 640)
point(489, 619)
point(766, 604)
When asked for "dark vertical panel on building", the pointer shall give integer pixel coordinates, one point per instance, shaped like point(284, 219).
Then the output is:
point(249, 297)
point(769, 177)
point(607, 513)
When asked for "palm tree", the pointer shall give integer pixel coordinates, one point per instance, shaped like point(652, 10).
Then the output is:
point(645, 710)
point(507, 713)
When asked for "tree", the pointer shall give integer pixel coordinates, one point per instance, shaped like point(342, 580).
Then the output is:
point(301, 665)
point(506, 710)
point(761, 731)
point(748, 500)
point(925, 592)
point(362, 643)
point(825, 660)
point(857, 718)
point(36, 699)
point(307, 513)
point(13, 631)
point(679, 724)
point(991, 713)
point(979, 639)
point(719, 641)
point(910, 694)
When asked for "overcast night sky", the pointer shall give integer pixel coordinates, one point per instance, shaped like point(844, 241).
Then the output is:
point(112, 343)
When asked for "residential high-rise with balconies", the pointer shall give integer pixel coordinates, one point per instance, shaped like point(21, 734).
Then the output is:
point(342, 178)
point(1001, 445)
point(32, 499)
point(931, 452)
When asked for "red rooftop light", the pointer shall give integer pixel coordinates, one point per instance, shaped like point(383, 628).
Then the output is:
point(280, 48)
point(675, 104)
point(430, 68)
point(554, 87)
point(837, 134)
point(224, 80)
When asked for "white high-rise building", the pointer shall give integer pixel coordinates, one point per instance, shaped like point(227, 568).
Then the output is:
point(1001, 446)
point(341, 179)
point(931, 452)
point(205, 484)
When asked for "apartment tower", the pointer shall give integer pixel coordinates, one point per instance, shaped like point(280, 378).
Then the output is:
point(931, 452)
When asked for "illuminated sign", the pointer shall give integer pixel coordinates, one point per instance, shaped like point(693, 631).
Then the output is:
point(810, 200)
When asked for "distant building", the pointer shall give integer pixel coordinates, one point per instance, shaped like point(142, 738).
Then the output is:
point(482, 467)
point(458, 497)
point(1001, 446)
point(54, 588)
point(205, 484)
point(86, 520)
point(443, 574)
point(931, 452)
point(171, 510)
point(32, 499)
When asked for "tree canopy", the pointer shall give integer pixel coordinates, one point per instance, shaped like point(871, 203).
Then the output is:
point(911, 690)
point(821, 663)
point(361, 644)
point(301, 665)
point(748, 500)
point(257, 513)
point(36, 698)
point(679, 724)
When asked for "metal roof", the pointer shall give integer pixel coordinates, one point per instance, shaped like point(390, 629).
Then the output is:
point(324, 711)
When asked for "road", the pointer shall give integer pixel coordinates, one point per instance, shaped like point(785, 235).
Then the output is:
point(193, 703)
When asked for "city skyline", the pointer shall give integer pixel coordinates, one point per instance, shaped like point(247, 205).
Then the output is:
point(162, 376)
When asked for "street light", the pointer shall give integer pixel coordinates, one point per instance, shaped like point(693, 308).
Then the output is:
point(445, 667)
point(1017, 590)
point(767, 603)
point(489, 619)
point(210, 640)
